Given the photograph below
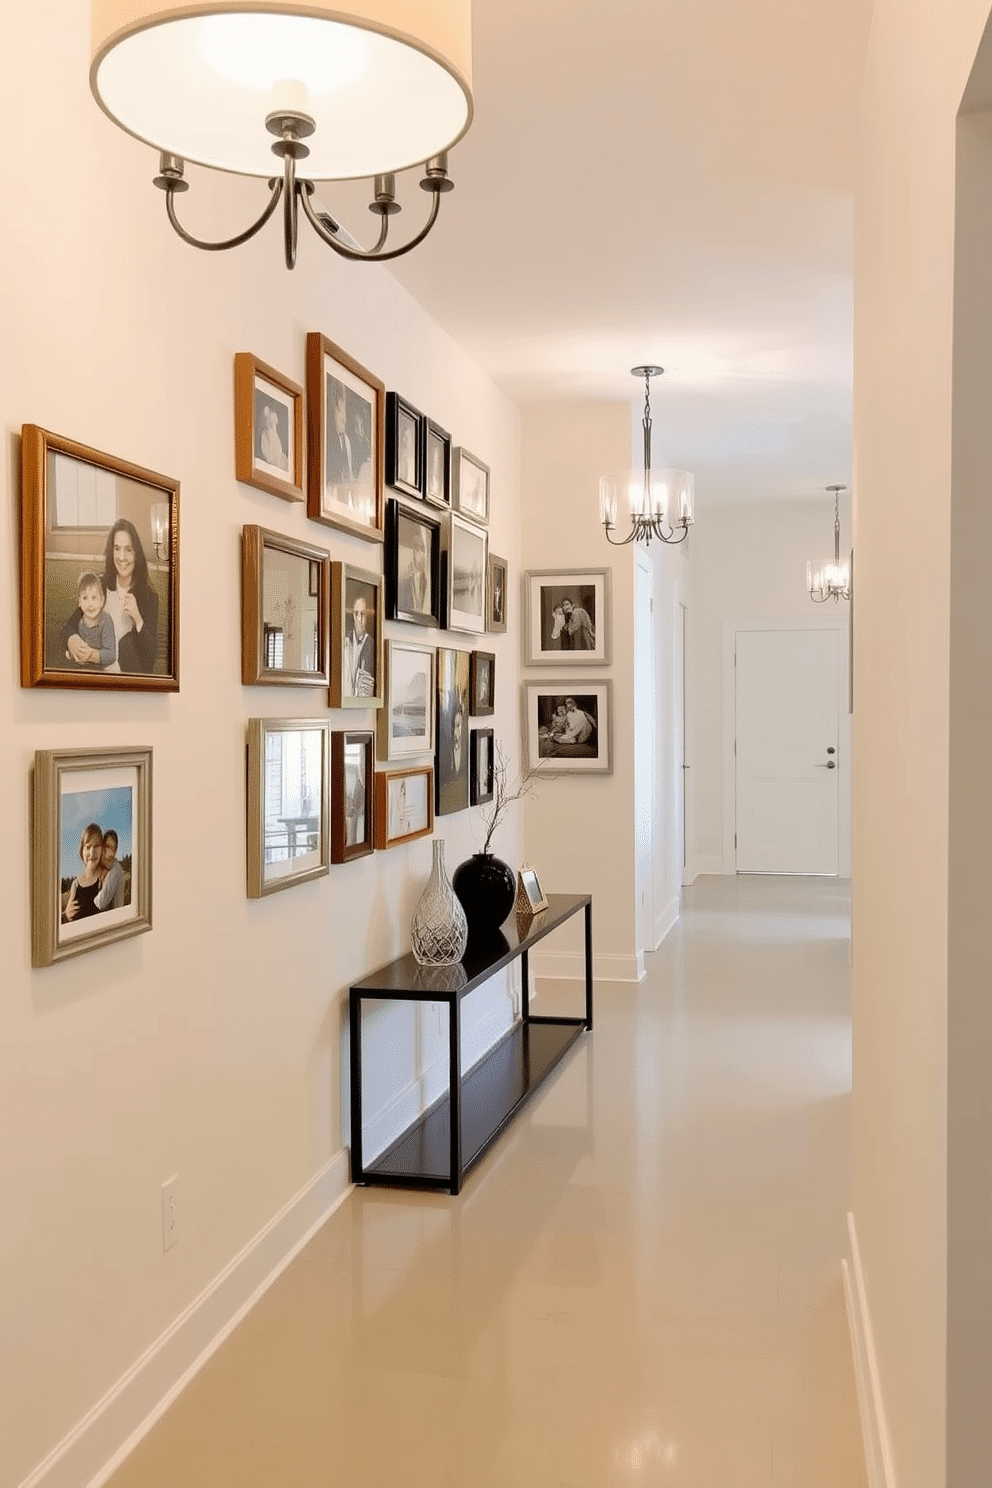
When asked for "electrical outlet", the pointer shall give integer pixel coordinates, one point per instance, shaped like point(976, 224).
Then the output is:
point(170, 1211)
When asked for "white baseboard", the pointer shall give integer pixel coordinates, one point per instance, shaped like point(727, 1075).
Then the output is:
point(710, 863)
point(666, 921)
point(99, 1443)
point(572, 968)
point(874, 1429)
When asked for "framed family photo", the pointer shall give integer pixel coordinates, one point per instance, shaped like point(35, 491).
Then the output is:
point(567, 616)
point(483, 762)
point(496, 594)
point(413, 565)
point(356, 637)
point(268, 428)
point(570, 731)
point(99, 569)
point(91, 879)
point(405, 726)
point(404, 805)
point(406, 435)
point(284, 588)
point(452, 741)
point(352, 804)
point(346, 422)
point(467, 567)
point(438, 486)
point(470, 485)
point(287, 803)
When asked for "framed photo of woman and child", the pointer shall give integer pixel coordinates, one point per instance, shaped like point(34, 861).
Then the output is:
point(91, 877)
point(99, 569)
point(567, 616)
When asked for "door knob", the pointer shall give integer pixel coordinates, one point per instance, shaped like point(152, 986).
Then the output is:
point(831, 749)
point(830, 765)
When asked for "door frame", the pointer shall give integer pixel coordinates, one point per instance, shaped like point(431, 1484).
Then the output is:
point(837, 620)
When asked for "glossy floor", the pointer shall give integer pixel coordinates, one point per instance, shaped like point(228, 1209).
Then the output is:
point(640, 1285)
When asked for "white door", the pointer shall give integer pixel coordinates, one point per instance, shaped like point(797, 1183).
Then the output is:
point(787, 764)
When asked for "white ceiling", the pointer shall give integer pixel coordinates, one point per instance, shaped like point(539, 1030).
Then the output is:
point(664, 181)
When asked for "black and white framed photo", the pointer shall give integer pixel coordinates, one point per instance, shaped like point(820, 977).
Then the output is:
point(438, 487)
point(531, 898)
point(405, 725)
point(268, 428)
point(413, 565)
point(406, 446)
point(483, 684)
point(569, 731)
point(91, 880)
point(483, 762)
point(452, 752)
point(288, 796)
point(567, 616)
point(497, 594)
point(404, 805)
point(356, 637)
point(346, 426)
point(467, 568)
point(352, 803)
point(470, 485)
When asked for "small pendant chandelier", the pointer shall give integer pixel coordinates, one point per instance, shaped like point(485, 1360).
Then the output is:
point(830, 578)
point(660, 501)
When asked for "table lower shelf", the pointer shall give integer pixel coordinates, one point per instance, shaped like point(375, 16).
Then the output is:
point(492, 1092)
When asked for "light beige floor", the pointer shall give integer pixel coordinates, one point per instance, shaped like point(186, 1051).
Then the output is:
point(641, 1284)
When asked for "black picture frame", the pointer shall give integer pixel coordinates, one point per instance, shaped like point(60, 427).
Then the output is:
point(406, 446)
point(411, 534)
point(483, 762)
point(482, 685)
point(437, 466)
point(451, 742)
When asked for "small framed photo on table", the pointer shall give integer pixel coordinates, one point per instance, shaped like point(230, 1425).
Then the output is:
point(287, 803)
point(356, 637)
point(346, 437)
point(438, 488)
point(470, 485)
point(467, 560)
point(352, 804)
point(483, 762)
point(406, 435)
point(91, 880)
point(404, 805)
point(567, 616)
point(531, 898)
point(268, 428)
point(413, 565)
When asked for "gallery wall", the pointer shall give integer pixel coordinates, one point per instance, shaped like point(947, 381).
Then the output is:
point(211, 1047)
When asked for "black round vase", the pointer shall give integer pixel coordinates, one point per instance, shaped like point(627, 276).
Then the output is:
point(487, 888)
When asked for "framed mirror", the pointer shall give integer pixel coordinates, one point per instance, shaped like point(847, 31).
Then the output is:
point(284, 610)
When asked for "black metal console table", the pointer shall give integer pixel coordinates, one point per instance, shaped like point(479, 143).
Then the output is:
point(442, 1145)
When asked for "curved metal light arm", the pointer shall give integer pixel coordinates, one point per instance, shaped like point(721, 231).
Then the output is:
point(376, 254)
point(172, 182)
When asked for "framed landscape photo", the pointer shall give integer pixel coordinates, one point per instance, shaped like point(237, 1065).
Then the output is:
point(569, 731)
point(91, 877)
point(496, 594)
point(413, 565)
point(470, 485)
point(346, 422)
point(482, 672)
point(284, 600)
point(268, 428)
point(483, 762)
point(287, 803)
point(567, 616)
point(406, 446)
point(99, 569)
point(356, 637)
point(352, 803)
point(467, 567)
point(404, 805)
point(438, 484)
point(405, 725)
point(451, 775)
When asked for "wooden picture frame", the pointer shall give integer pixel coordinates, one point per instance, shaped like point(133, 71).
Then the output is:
point(568, 726)
point(406, 446)
point(284, 610)
point(466, 567)
point(470, 485)
point(413, 565)
point(268, 428)
point(451, 747)
point(531, 898)
point(482, 766)
point(356, 637)
point(404, 805)
point(405, 723)
point(88, 524)
point(482, 684)
point(346, 423)
point(437, 461)
point(352, 799)
point(567, 617)
point(287, 803)
point(497, 594)
point(81, 797)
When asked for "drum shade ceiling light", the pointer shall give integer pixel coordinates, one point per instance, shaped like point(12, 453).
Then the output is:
point(361, 93)
point(660, 501)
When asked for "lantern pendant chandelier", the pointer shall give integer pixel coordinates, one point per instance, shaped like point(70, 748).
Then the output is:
point(229, 85)
point(660, 501)
point(830, 579)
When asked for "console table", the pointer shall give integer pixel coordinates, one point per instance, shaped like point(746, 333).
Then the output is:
point(440, 1147)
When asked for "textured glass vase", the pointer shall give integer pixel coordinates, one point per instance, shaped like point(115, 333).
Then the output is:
point(439, 932)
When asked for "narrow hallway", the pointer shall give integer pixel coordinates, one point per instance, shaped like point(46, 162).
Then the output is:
point(640, 1284)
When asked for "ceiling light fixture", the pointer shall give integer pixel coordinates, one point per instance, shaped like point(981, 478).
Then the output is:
point(830, 578)
point(660, 501)
point(230, 83)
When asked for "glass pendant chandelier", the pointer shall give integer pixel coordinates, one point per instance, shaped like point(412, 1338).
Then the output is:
point(660, 502)
point(830, 578)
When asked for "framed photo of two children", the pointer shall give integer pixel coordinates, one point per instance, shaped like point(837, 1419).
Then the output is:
point(99, 569)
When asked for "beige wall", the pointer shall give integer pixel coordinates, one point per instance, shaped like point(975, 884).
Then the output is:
point(213, 1046)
